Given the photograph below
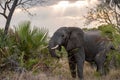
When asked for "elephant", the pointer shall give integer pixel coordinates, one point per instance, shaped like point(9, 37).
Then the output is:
point(81, 46)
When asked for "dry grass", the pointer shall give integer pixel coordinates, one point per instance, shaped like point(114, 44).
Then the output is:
point(60, 73)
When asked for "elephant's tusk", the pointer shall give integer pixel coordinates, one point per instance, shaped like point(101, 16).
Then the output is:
point(55, 47)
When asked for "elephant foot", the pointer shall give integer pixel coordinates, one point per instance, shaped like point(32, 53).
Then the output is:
point(74, 76)
point(77, 79)
point(81, 79)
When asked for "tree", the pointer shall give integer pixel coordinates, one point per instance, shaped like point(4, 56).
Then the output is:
point(105, 14)
point(113, 2)
point(8, 7)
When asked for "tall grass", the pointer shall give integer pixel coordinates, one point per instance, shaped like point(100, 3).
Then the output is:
point(62, 73)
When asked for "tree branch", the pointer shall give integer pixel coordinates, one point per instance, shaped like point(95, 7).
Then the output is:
point(1, 6)
point(22, 3)
point(3, 15)
point(5, 7)
point(27, 11)
point(8, 7)
point(116, 17)
point(8, 2)
point(107, 15)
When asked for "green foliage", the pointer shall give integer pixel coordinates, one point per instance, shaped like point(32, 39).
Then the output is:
point(24, 47)
point(113, 57)
point(97, 74)
point(117, 60)
point(31, 40)
point(61, 53)
point(110, 32)
point(107, 30)
point(27, 48)
point(7, 56)
point(31, 43)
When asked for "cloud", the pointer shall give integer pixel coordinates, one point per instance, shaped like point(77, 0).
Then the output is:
point(51, 17)
point(53, 2)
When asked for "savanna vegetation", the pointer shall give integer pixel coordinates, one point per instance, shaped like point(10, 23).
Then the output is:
point(24, 56)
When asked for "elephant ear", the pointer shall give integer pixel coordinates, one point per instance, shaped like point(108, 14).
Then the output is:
point(76, 39)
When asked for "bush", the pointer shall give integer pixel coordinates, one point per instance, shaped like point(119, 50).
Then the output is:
point(114, 56)
point(24, 48)
point(110, 32)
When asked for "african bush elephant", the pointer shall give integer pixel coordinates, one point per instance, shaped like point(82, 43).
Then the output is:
point(80, 46)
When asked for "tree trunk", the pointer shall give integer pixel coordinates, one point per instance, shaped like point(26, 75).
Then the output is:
point(10, 16)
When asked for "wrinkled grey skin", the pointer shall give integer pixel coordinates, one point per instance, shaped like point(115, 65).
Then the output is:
point(96, 49)
point(80, 46)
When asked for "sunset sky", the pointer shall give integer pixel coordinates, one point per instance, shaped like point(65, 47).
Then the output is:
point(55, 14)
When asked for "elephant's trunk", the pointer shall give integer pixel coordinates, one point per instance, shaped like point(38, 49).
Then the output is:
point(52, 49)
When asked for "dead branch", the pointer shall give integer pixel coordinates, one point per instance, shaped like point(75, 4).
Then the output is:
point(1, 6)
point(4, 15)
point(21, 2)
point(27, 10)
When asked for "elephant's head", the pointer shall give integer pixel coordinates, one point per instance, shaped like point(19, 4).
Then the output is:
point(69, 37)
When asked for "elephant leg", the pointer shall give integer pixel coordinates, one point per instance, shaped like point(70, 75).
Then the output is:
point(100, 68)
point(80, 58)
point(100, 60)
point(72, 64)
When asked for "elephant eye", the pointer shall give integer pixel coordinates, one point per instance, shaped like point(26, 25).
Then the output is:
point(62, 35)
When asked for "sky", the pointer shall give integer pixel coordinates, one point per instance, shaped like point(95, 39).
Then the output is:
point(54, 14)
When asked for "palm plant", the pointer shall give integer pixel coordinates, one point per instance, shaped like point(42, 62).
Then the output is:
point(31, 42)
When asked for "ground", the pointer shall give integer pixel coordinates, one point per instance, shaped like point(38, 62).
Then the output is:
point(60, 73)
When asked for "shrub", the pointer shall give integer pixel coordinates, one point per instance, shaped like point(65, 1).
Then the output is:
point(110, 32)
point(7, 51)
point(24, 47)
point(113, 59)
point(31, 43)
